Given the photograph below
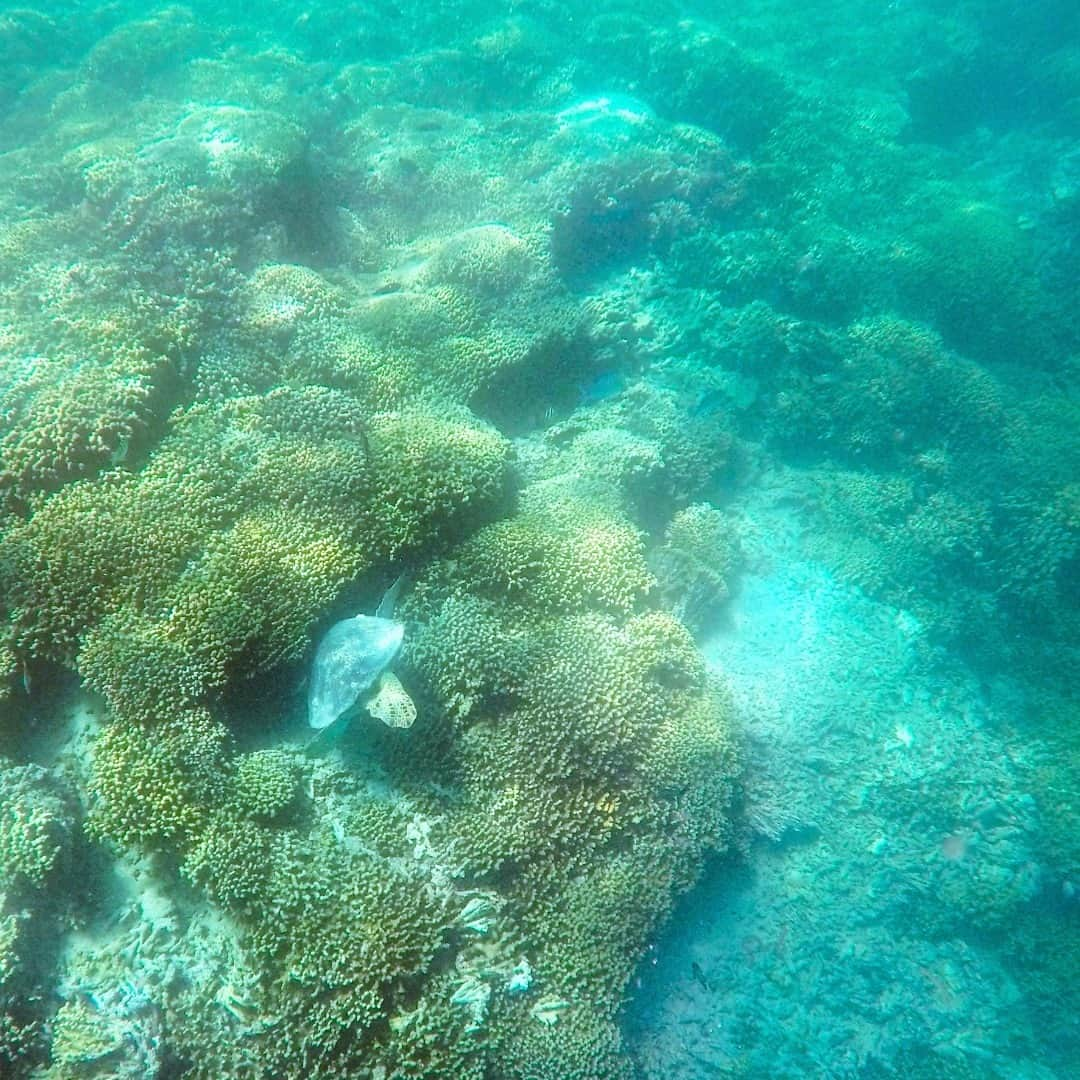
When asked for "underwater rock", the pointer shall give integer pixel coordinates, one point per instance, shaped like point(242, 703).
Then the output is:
point(605, 118)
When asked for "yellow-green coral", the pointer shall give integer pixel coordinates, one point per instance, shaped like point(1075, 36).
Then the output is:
point(338, 935)
point(28, 846)
point(145, 670)
point(595, 765)
point(558, 553)
point(266, 783)
point(84, 1040)
point(153, 788)
point(492, 658)
point(217, 558)
point(64, 419)
point(95, 548)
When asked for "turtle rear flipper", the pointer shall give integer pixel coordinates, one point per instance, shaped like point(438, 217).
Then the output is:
point(391, 703)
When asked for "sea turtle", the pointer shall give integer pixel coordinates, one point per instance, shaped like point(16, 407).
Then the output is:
point(351, 669)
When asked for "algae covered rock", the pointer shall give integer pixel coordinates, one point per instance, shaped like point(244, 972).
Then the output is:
point(39, 901)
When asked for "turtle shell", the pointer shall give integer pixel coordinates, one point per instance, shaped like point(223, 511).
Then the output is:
point(348, 662)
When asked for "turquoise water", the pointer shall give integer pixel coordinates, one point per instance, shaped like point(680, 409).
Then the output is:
point(691, 391)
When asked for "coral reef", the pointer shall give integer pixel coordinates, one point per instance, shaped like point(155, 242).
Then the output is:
point(236, 536)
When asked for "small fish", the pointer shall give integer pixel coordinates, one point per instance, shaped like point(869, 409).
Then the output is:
point(699, 976)
point(600, 387)
point(710, 402)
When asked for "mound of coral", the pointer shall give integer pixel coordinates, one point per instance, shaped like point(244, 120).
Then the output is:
point(264, 386)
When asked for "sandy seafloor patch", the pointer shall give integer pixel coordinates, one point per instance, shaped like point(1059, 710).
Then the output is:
point(888, 802)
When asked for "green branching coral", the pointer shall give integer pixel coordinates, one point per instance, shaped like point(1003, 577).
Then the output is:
point(989, 303)
point(86, 1042)
point(925, 391)
point(1038, 551)
point(968, 563)
point(215, 560)
point(554, 1039)
point(482, 320)
point(586, 958)
point(9, 666)
point(35, 829)
point(148, 231)
point(886, 392)
point(557, 554)
point(487, 261)
point(154, 787)
point(231, 847)
point(515, 329)
point(266, 784)
point(433, 1039)
point(229, 860)
point(621, 678)
point(618, 683)
point(145, 671)
point(348, 354)
point(755, 95)
point(696, 562)
point(9, 957)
